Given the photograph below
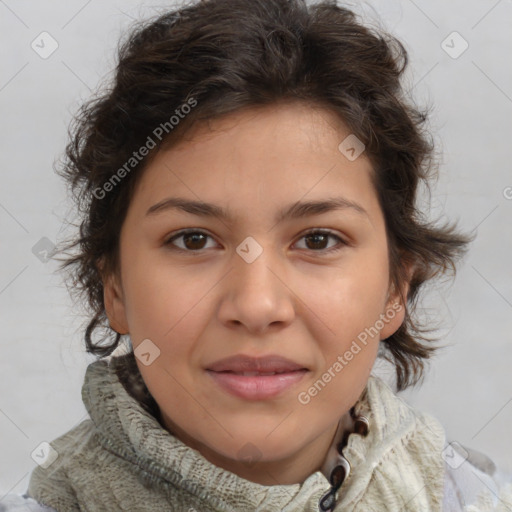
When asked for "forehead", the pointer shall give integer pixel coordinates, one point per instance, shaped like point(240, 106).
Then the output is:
point(258, 159)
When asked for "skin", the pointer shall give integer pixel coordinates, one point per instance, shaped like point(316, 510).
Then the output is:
point(299, 298)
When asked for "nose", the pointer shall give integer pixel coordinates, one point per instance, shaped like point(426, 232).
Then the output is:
point(257, 295)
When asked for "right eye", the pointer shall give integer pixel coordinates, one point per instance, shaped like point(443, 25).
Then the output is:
point(193, 240)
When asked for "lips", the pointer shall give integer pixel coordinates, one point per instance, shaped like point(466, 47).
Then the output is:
point(254, 374)
point(256, 378)
point(246, 365)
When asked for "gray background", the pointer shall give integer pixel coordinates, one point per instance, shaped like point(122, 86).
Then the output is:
point(468, 387)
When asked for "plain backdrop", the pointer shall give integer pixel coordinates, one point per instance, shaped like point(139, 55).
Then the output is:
point(42, 360)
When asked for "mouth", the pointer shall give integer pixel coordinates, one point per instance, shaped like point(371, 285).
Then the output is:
point(256, 385)
point(241, 363)
point(259, 374)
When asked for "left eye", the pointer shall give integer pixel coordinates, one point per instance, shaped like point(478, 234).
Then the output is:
point(320, 237)
point(194, 240)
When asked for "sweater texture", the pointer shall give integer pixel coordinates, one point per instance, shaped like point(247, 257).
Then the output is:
point(122, 459)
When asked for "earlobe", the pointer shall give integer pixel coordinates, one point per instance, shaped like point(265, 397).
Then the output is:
point(393, 318)
point(113, 299)
point(396, 308)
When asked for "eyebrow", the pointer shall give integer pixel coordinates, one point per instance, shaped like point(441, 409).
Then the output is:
point(294, 211)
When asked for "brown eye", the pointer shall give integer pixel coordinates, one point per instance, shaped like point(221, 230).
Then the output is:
point(318, 241)
point(193, 241)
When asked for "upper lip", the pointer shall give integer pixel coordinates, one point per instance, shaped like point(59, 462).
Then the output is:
point(244, 363)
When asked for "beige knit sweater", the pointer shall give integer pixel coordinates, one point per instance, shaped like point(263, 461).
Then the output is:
point(122, 459)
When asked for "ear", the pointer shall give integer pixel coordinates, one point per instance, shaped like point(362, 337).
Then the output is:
point(394, 312)
point(113, 299)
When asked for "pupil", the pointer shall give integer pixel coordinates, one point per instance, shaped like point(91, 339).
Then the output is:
point(194, 237)
point(316, 237)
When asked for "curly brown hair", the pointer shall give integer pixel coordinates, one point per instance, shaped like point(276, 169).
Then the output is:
point(226, 55)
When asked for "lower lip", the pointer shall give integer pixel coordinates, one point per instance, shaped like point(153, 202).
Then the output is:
point(256, 387)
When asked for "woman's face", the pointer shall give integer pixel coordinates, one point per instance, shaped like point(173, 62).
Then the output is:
point(256, 282)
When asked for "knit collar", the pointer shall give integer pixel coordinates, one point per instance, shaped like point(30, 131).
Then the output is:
point(128, 429)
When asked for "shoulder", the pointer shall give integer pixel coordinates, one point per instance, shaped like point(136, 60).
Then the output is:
point(50, 481)
point(67, 449)
point(473, 483)
point(22, 503)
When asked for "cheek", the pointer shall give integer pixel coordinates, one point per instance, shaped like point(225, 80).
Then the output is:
point(350, 297)
point(347, 344)
point(343, 313)
point(160, 298)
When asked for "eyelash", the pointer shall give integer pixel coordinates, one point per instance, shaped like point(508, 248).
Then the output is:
point(342, 243)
